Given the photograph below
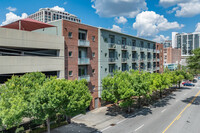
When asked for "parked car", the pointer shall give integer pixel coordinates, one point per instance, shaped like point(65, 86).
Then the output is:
point(188, 84)
point(195, 80)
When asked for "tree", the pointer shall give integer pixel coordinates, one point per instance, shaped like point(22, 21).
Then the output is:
point(15, 97)
point(194, 61)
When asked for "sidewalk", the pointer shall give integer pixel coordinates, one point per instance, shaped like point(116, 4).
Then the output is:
point(98, 118)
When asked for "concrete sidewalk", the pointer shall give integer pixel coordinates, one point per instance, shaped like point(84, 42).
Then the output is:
point(98, 118)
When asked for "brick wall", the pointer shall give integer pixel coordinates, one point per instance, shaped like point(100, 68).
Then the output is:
point(71, 63)
point(161, 56)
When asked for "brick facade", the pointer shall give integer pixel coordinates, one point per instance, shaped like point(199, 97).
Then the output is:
point(172, 55)
point(71, 63)
point(160, 57)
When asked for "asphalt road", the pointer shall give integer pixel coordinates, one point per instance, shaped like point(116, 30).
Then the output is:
point(177, 113)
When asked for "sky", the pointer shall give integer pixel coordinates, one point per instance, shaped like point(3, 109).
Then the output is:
point(150, 19)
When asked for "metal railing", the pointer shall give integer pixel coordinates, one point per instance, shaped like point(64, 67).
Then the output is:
point(112, 46)
point(87, 77)
point(124, 47)
point(124, 59)
point(82, 61)
point(84, 43)
point(111, 59)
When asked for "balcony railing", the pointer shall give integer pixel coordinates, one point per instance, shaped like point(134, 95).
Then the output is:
point(112, 46)
point(154, 50)
point(158, 51)
point(149, 50)
point(148, 69)
point(124, 59)
point(158, 59)
point(154, 68)
point(87, 77)
point(154, 59)
point(148, 59)
point(141, 49)
point(134, 59)
point(83, 43)
point(112, 59)
point(124, 47)
point(83, 61)
point(158, 68)
point(133, 48)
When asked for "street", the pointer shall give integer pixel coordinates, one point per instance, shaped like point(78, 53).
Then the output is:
point(177, 113)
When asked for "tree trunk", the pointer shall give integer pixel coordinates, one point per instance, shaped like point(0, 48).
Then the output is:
point(48, 125)
point(179, 83)
point(68, 118)
point(160, 93)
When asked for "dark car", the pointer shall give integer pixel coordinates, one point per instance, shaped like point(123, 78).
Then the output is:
point(188, 84)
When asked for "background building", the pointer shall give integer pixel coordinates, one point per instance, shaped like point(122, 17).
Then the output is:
point(47, 15)
point(167, 43)
point(186, 42)
point(25, 51)
point(172, 55)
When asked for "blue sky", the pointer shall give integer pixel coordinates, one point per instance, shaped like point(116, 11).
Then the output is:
point(151, 19)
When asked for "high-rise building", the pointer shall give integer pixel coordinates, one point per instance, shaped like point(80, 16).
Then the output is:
point(47, 15)
point(186, 42)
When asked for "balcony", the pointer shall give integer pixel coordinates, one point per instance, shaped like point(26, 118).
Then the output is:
point(149, 50)
point(112, 60)
point(124, 47)
point(141, 49)
point(158, 68)
point(158, 59)
point(149, 69)
point(134, 59)
point(124, 59)
point(154, 68)
point(83, 61)
point(87, 77)
point(133, 48)
point(112, 46)
point(83, 43)
point(148, 59)
point(154, 50)
point(158, 51)
point(154, 59)
point(142, 59)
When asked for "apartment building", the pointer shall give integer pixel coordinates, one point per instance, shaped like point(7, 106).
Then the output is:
point(118, 51)
point(47, 15)
point(81, 53)
point(23, 51)
point(159, 57)
point(172, 55)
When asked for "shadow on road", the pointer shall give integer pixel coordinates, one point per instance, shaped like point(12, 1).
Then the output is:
point(75, 128)
point(195, 102)
point(155, 102)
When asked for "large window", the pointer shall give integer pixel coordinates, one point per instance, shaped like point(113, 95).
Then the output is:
point(82, 35)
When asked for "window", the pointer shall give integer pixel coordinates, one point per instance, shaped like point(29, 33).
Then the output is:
point(123, 41)
point(106, 69)
point(82, 35)
point(70, 34)
point(112, 38)
point(93, 54)
point(70, 73)
point(93, 70)
point(133, 42)
point(70, 53)
point(93, 38)
point(105, 54)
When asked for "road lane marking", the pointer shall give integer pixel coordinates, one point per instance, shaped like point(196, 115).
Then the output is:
point(139, 127)
point(121, 121)
point(179, 115)
point(163, 110)
point(105, 128)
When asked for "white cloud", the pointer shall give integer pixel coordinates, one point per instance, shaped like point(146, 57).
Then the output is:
point(57, 8)
point(173, 10)
point(11, 17)
point(148, 24)
point(160, 38)
point(197, 27)
point(65, 3)
point(116, 28)
point(120, 20)
point(183, 8)
point(115, 8)
point(11, 9)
